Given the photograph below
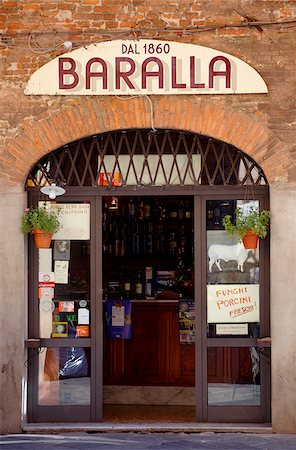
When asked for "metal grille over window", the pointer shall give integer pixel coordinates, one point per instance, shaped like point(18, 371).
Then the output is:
point(146, 158)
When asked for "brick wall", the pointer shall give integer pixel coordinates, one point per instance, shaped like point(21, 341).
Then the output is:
point(270, 119)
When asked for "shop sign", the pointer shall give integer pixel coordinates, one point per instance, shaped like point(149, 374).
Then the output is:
point(229, 303)
point(133, 67)
point(75, 221)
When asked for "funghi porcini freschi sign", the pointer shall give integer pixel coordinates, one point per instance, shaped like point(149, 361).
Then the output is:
point(126, 67)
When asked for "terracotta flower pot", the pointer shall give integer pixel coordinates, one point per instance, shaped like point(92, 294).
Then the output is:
point(42, 240)
point(250, 240)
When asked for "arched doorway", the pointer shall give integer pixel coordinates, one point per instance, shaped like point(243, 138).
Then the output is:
point(171, 190)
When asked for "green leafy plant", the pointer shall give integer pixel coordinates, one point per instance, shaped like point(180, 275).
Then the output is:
point(40, 219)
point(254, 221)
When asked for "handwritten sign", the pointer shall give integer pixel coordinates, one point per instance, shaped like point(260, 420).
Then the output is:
point(229, 303)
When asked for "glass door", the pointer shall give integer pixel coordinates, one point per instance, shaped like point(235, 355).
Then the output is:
point(237, 314)
point(62, 311)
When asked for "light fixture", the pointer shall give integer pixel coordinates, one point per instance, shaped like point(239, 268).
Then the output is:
point(68, 45)
point(52, 191)
point(114, 203)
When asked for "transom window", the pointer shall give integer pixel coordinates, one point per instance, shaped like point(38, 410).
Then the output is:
point(147, 158)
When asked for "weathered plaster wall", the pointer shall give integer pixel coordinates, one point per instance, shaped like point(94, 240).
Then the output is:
point(283, 309)
point(13, 312)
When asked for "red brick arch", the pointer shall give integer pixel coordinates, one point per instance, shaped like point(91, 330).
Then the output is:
point(89, 116)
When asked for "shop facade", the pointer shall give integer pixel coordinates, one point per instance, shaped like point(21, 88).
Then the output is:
point(204, 156)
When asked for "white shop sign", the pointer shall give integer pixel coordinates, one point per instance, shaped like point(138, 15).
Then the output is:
point(233, 303)
point(129, 67)
point(75, 221)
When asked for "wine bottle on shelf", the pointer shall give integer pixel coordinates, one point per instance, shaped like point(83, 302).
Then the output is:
point(173, 213)
point(117, 244)
point(173, 243)
point(181, 210)
point(111, 239)
point(141, 210)
point(147, 210)
point(127, 290)
point(149, 239)
point(183, 241)
point(162, 246)
point(148, 282)
point(131, 210)
point(136, 240)
point(188, 211)
point(139, 286)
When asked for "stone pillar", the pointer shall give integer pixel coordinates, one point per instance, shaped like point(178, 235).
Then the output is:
point(283, 309)
point(13, 318)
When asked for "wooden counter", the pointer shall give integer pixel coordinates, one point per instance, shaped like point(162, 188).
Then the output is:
point(154, 355)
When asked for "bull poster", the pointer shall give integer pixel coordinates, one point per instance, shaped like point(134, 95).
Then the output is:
point(227, 303)
point(228, 260)
point(118, 319)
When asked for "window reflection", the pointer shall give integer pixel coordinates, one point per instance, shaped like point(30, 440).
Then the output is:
point(233, 376)
point(64, 376)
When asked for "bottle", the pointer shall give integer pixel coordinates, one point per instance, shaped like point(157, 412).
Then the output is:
point(183, 241)
point(123, 244)
point(173, 213)
point(162, 246)
point(187, 211)
point(139, 286)
point(141, 210)
point(131, 209)
point(127, 290)
point(147, 210)
point(181, 210)
point(173, 243)
point(149, 239)
point(148, 282)
point(136, 240)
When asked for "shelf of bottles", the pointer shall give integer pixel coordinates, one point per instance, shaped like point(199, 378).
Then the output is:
point(147, 247)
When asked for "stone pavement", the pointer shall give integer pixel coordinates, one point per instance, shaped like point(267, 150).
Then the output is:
point(149, 441)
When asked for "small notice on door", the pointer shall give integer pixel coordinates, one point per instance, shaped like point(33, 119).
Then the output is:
point(117, 316)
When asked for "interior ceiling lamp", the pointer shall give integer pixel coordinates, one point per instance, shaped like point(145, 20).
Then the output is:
point(52, 191)
point(114, 203)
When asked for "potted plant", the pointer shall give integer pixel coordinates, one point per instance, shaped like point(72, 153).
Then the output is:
point(249, 227)
point(42, 222)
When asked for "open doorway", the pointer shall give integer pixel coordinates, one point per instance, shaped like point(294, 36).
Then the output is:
point(149, 310)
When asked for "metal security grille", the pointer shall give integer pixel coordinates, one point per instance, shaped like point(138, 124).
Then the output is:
point(147, 158)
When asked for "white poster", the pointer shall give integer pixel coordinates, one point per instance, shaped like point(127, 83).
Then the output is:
point(83, 316)
point(118, 316)
point(233, 303)
point(61, 269)
point(75, 221)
